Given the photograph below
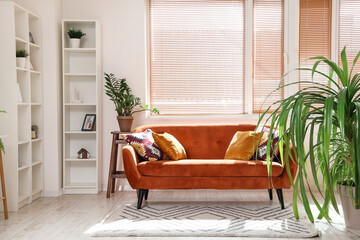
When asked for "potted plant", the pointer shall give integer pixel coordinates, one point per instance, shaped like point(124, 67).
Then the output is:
point(125, 102)
point(21, 58)
point(330, 116)
point(75, 35)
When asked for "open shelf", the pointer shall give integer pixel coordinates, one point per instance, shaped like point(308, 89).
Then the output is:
point(88, 27)
point(21, 95)
point(24, 124)
point(82, 84)
point(74, 117)
point(79, 62)
point(80, 49)
point(74, 142)
point(80, 174)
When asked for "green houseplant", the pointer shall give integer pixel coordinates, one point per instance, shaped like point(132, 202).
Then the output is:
point(125, 102)
point(330, 116)
point(75, 36)
point(21, 58)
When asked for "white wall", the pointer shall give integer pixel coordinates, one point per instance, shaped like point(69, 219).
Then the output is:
point(50, 14)
point(124, 49)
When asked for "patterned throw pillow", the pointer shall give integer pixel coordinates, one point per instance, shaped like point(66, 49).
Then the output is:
point(144, 145)
point(261, 151)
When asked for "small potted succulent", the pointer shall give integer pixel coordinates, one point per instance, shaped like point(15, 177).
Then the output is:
point(125, 102)
point(21, 58)
point(75, 35)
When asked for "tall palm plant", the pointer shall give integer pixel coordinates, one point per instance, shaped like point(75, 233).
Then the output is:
point(330, 116)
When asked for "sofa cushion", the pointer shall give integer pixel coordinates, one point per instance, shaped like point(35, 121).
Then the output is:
point(243, 145)
point(144, 145)
point(170, 146)
point(260, 153)
point(208, 168)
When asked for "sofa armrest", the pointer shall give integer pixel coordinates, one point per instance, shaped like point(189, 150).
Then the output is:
point(131, 161)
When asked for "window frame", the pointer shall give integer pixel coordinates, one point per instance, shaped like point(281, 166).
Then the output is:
point(291, 55)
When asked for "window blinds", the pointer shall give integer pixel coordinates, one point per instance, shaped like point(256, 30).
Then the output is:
point(315, 38)
point(349, 30)
point(197, 56)
point(268, 51)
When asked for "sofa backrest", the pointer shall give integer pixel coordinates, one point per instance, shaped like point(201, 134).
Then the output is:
point(201, 141)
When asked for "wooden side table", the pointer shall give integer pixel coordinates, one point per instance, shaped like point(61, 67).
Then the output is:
point(3, 197)
point(113, 173)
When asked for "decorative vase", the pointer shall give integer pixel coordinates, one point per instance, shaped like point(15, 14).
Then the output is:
point(75, 42)
point(351, 214)
point(21, 62)
point(125, 123)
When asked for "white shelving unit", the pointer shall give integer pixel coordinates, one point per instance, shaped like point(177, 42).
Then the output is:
point(82, 71)
point(24, 156)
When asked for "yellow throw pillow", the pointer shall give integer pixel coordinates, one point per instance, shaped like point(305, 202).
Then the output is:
point(243, 145)
point(170, 146)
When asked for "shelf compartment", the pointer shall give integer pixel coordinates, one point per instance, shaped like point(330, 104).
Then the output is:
point(79, 62)
point(24, 84)
point(35, 29)
point(37, 152)
point(36, 88)
point(74, 142)
point(24, 155)
point(86, 85)
point(74, 116)
point(88, 27)
point(35, 58)
point(36, 119)
point(24, 184)
point(24, 124)
point(80, 175)
point(37, 178)
point(21, 24)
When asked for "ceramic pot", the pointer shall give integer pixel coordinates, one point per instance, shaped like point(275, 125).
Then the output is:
point(351, 214)
point(75, 42)
point(21, 62)
point(125, 123)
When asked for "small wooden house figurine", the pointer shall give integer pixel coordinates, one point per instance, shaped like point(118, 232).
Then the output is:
point(83, 154)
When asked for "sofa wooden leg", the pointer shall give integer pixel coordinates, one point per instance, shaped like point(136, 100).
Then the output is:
point(270, 194)
point(281, 198)
point(140, 198)
point(146, 194)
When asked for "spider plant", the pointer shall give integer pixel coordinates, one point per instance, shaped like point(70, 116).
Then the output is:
point(329, 115)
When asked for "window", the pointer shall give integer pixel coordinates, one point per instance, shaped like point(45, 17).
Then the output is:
point(268, 52)
point(349, 30)
point(197, 56)
point(315, 37)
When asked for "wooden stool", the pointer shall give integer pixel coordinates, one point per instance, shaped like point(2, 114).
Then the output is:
point(3, 198)
point(113, 173)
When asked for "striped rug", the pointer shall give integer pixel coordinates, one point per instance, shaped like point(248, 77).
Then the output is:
point(203, 221)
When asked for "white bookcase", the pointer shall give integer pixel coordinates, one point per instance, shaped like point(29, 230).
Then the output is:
point(24, 156)
point(82, 72)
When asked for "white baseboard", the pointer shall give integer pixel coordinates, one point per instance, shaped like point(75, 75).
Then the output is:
point(56, 193)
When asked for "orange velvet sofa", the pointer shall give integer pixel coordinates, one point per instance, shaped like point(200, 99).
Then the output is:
point(205, 167)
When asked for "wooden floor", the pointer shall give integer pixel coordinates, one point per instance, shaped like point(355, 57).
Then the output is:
point(71, 216)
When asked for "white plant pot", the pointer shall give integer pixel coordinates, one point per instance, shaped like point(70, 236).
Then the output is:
point(351, 214)
point(21, 62)
point(75, 42)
